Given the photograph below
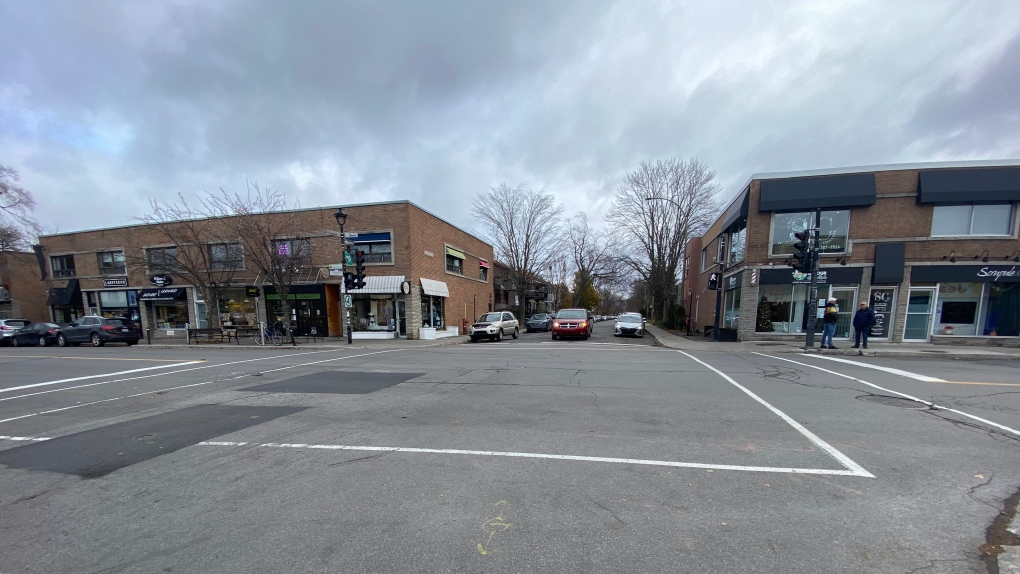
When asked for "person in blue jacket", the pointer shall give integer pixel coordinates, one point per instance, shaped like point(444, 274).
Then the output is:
point(864, 320)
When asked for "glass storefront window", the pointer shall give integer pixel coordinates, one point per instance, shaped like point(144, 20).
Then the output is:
point(119, 304)
point(785, 308)
point(237, 309)
point(731, 313)
point(958, 308)
point(432, 312)
point(1000, 310)
point(373, 313)
point(171, 314)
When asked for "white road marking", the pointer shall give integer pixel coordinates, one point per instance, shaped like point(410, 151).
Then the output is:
point(902, 373)
point(537, 455)
point(22, 438)
point(73, 379)
point(78, 406)
point(904, 395)
point(854, 468)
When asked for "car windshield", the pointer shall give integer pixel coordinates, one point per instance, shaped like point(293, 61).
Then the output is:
point(629, 319)
point(490, 317)
point(539, 317)
point(572, 314)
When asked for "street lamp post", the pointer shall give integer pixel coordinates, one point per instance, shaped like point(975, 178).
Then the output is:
point(341, 218)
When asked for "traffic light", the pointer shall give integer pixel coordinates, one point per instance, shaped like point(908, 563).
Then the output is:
point(359, 270)
point(713, 281)
point(802, 252)
point(348, 281)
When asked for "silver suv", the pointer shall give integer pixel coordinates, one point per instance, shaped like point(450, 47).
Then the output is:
point(8, 327)
point(494, 325)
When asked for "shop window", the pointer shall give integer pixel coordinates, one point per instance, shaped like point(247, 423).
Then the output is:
point(111, 262)
point(226, 256)
point(780, 309)
point(956, 220)
point(378, 247)
point(731, 311)
point(297, 252)
point(161, 259)
point(62, 265)
point(738, 241)
point(834, 229)
point(1000, 306)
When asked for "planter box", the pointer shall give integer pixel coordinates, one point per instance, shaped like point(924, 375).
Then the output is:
point(373, 335)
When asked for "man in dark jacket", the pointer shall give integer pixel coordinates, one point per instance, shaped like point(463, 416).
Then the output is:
point(864, 320)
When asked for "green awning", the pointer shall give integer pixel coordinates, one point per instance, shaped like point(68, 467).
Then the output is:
point(455, 253)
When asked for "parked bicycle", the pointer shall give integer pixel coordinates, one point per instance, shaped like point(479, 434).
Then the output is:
point(272, 336)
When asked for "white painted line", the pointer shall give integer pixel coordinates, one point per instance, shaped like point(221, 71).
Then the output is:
point(844, 460)
point(22, 438)
point(71, 380)
point(904, 395)
point(902, 373)
point(537, 455)
point(78, 406)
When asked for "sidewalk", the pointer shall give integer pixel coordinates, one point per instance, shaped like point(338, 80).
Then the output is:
point(902, 350)
point(335, 343)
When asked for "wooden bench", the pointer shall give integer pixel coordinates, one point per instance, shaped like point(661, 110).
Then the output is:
point(209, 334)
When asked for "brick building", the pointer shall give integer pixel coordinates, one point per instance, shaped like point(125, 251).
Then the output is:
point(505, 295)
point(420, 272)
point(22, 294)
point(933, 247)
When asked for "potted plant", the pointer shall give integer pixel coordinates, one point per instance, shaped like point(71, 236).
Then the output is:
point(947, 329)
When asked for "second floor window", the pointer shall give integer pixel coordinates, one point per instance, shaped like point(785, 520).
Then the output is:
point(226, 256)
point(111, 262)
point(62, 265)
point(483, 273)
point(834, 229)
point(454, 260)
point(161, 259)
point(989, 219)
point(738, 241)
point(295, 251)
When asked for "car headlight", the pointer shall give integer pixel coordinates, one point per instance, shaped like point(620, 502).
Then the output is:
point(555, 324)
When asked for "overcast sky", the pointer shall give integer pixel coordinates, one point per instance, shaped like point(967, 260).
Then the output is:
point(106, 104)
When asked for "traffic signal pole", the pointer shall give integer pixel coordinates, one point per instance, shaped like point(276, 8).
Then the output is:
point(812, 306)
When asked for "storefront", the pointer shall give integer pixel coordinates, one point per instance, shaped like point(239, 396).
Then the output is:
point(963, 301)
point(783, 294)
point(238, 307)
point(65, 302)
point(731, 301)
point(167, 307)
point(307, 309)
point(378, 310)
point(433, 303)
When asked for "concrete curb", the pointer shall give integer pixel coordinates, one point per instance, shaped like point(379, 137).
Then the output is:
point(305, 346)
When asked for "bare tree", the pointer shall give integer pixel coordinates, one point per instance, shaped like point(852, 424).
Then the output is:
point(523, 227)
point(18, 228)
point(196, 246)
point(657, 230)
point(270, 232)
point(592, 256)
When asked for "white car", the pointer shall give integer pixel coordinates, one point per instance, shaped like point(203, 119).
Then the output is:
point(630, 324)
point(494, 325)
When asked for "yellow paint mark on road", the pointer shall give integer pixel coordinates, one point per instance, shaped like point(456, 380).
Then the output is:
point(101, 358)
point(492, 526)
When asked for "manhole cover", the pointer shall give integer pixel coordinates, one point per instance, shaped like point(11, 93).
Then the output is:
point(892, 401)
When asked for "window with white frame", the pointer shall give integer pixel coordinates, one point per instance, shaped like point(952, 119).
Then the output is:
point(62, 265)
point(972, 219)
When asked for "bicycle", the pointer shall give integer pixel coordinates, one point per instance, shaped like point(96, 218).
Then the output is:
point(274, 336)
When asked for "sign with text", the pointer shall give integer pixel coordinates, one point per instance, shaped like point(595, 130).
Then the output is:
point(964, 274)
point(161, 280)
point(826, 276)
point(882, 302)
point(115, 282)
point(252, 291)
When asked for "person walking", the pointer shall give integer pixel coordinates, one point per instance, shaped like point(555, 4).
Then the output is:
point(829, 319)
point(864, 320)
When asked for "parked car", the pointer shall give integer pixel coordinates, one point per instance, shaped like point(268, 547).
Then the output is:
point(572, 323)
point(494, 325)
point(42, 334)
point(539, 322)
point(630, 324)
point(8, 327)
point(99, 331)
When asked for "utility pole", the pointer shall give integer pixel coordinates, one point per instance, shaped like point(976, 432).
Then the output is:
point(341, 218)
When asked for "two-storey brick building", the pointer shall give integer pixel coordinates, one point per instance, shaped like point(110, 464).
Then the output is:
point(421, 271)
point(933, 247)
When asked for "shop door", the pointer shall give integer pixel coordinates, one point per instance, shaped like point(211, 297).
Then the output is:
point(402, 319)
point(846, 299)
point(920, 303)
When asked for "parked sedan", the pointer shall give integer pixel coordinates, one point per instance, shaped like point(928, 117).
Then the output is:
point(8, 327)
point(539, 322)
point(99, 331)
point(42, 334)
point(494, 326)
point(572, 323)
point(630, 324)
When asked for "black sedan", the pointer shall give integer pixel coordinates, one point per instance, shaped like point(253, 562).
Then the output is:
point(539, 322)
point(42, 334)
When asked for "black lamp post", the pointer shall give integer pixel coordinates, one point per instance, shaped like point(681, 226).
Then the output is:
point(341, 218)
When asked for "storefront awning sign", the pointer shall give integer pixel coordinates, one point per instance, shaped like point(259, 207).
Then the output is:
point(434, 288)
point(161, 280)
point(965, 274)
point(380, 284)
point(826, 276)
point(164, 294)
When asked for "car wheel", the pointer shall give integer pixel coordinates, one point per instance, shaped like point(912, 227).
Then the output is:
point(499, 334)
point(97, 341)
point(61, 341)
point(42, 342)
point(14, 342)
point(517, 332)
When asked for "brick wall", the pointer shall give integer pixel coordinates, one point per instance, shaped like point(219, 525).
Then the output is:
point(20, 273)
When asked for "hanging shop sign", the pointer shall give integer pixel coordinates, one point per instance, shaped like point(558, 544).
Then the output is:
point(830, 276)
point(115, 282)
point(252, 291)
point(161, 280)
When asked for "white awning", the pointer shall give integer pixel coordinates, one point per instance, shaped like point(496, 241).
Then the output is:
point(433, 287)
point(380, 284)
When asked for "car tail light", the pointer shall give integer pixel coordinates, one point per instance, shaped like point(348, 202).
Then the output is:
point(109, 328)
point(6, 328)
point(53, 330)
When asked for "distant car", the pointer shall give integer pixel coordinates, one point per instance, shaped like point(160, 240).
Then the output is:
point(42, 334)
point(630, 324)
point(494, 325)
point(572, 323)
point(8, 327)
point(539, 322)
point(99, 331)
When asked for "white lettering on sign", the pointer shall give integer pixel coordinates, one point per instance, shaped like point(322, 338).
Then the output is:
point(986, 272)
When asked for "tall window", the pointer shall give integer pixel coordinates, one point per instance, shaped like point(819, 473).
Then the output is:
point(378, 246)
point(226, 256)
point(834, 228)
point(704, 259)
point(111, 262)
point(161, 259)
point(731, 309)
point(991, 219)
point(62, 265)
point(738, 243)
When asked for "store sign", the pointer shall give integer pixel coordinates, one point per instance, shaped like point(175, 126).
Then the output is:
point(965, 274)
point(161, 280)
point(115, 282)
point(164, 294)
point(336, 270)
point(833, 276)
point(252, 291)
point(882, 301)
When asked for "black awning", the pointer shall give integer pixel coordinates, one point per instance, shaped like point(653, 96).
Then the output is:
point(826, 192)
point(889, 260)
point(969, 185)
point(163, 294)
point(737, 211)
point(64, 295)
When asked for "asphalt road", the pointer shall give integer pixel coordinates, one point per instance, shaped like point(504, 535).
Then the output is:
point(528, 455)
